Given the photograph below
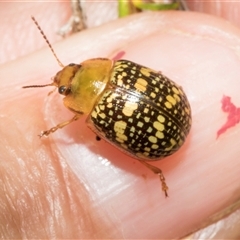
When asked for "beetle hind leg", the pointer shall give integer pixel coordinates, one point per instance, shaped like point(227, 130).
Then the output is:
point(60, 125)
point(159, 172)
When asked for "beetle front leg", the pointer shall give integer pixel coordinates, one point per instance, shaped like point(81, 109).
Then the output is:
point(60, 125)
point(157, 171)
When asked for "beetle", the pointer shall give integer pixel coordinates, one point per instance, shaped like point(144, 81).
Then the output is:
point(137, 109)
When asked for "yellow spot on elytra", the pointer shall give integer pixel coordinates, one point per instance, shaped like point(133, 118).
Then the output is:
point(117, 64)
point(154, 146)
point(146, 119)
point(119, 128)
point(129, 108)
point(187, 110)
point(168, 105)
point(132, 129)
point(149, 130)
point(140, 124)
point(141, 84)
point(102, 115)
point(94, 114)
point(161, 118)
point(159, 135)
point(147, 149)
point(176, 97)
point(110, 113)
point(146, 110)
point(171, 100)
point(175, 90)
point(121, 138)
point(153, 95)
point(173, 143)
point(109, 99)
point(138, 115)
point(102, 107)
point(152, 139)
point(130, 120)
point(110, 105)
point(154, 82)
point(97, 109)
point(159, 126)
point(145, 71)
point(119, 82)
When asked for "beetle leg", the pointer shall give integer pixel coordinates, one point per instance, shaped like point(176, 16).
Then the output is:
point(159, 173)
point(60, 125)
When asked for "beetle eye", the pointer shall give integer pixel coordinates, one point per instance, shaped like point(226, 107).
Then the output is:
point(63, 90)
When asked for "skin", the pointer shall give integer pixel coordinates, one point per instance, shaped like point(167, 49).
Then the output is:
point(71, 186)
point(226, 9)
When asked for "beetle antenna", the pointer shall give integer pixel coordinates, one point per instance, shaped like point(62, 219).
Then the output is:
point(48, 43)
point(38, 86)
